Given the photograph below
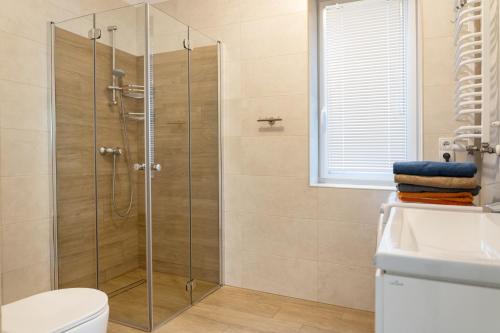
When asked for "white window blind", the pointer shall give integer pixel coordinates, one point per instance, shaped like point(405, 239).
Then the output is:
point(366, 98)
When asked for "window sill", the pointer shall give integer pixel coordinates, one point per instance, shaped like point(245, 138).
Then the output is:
point(352, 186)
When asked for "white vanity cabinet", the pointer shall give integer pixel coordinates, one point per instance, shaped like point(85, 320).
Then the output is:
point(438, 270)
point(415, 305)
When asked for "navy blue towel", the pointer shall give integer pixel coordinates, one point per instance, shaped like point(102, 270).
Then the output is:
point(435, 169)
point(420, 189)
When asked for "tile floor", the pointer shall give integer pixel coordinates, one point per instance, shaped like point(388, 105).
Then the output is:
point(235, 310)
point(128, 296)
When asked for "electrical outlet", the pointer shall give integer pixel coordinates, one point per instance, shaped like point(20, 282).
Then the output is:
point(445, 146)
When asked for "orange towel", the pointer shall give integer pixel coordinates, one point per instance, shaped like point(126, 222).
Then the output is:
point(432, 195)
point(437, 201)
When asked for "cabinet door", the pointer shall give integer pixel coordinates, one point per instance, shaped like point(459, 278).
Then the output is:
point(424, 306)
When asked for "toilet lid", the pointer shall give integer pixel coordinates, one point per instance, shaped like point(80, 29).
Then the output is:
point(53, 311)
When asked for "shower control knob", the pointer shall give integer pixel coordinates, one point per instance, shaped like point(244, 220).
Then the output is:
point(142, 167)
point(139, 166)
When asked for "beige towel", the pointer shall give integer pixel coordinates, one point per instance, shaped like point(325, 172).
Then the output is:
point(441, 182)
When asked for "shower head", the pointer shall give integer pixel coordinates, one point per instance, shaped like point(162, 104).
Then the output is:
point(118, 73)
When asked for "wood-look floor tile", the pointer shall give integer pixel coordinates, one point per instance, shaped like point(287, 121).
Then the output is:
point(235, 310)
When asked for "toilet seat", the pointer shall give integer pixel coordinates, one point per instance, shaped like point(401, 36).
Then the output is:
point(54, 311)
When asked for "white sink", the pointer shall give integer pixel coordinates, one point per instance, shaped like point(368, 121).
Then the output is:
point(462, 247)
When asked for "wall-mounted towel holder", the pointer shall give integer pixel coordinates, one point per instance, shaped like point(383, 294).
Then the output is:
point(476, 75)
point(270, 120)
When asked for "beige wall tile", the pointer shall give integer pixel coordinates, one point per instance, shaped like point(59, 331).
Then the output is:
point(92, 6)
point(280, 275)
point(346, 243)
point(24, 106)
point(234, 224)
point(24, 198)
point(233, 267)
point(235, 200)
point(266, 37)
point(23, 60)
point(274, 156)
point(281, 236)
point(28, 14)
point(25, 243)
point(233, 85)
point(71, 6)
point(24, 153)
point(33, 16)
point(232, 155)
point(439, 109)
point(256, 9)
point(272, 195)
point(348, 286)
point(431, 149)
point(27, 281)
point(201, 14)
point(438, 17)
point(350, 205)
point(275, 76)
point(439, 55)
point(233, 111)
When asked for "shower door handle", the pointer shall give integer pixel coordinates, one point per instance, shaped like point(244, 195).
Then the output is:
point(142, 167)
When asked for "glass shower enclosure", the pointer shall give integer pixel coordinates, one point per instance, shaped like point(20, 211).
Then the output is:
point(136, 161)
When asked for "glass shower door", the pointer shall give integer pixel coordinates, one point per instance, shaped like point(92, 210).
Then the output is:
point(170, 149)
point(120, 139)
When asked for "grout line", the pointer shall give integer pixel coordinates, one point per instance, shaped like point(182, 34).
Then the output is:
point(31, 85)
point(46, 87)
point(16, 35)
point(270, 17)
point(39, 131)
point(303, 218)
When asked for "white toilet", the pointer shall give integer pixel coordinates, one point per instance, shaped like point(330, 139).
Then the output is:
point(78, 310)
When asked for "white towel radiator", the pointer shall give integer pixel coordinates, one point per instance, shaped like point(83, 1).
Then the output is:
point(476, 74)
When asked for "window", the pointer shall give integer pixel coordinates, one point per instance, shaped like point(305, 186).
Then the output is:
point(367, 90)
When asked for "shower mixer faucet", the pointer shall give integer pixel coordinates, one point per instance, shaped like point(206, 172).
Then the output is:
point(110, 151)
point(142, 167)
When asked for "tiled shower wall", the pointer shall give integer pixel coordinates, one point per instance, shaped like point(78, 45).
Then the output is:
point(118, 237)
point(281, 235)
point(24, 140)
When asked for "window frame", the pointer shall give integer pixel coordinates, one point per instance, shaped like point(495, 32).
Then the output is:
point(320, 177)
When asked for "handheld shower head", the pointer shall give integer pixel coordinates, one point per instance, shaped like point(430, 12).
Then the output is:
point(118, 73)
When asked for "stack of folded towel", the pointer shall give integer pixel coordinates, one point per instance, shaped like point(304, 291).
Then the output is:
point(436, 182)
